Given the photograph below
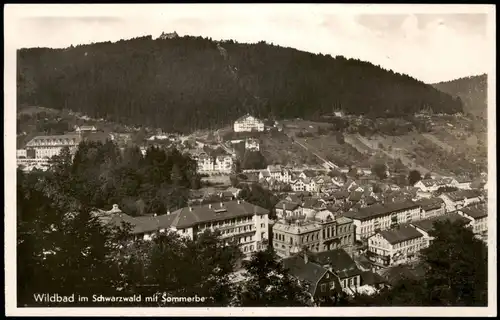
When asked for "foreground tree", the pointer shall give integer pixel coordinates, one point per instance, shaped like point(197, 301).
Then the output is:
point(413, 177)
point(175, 266)
point(453, 276)
point(269, 284)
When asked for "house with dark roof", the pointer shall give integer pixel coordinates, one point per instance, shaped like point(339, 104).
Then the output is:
point(237, 220)
point(371, 283)
point(432, 207)
point(478, 214)
point(378, 217)
point(459, 199)
point(321, 282)
point(395, 246)
point(286, 209)
point(427, 225)
point(342, 265)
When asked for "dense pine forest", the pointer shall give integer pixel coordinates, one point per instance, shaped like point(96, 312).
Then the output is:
point(190, 83)
point(472, 91)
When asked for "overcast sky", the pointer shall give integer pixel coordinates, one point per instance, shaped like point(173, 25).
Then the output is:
point(431, 43)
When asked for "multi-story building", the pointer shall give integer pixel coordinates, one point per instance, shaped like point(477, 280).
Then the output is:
point(85, 129)
point(464, 183)
point(224, 164)
point(298, 185)
point(21, 153)
point(248, 123)
point(396, 246)
point(252, 144)
point(431, 185)
point(432, 207)
point(219, 164)
point(479, 219)
point(459, 199)
point(278, 172)
point(378, 217)
point(288, 209)
point(320, 282)
point(318, 232)
point(325, 274)
point(427, 225)
point(237, 220)
point(49, 146)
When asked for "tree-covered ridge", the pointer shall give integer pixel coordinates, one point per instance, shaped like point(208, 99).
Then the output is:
point(472, 90)
point(190, 83)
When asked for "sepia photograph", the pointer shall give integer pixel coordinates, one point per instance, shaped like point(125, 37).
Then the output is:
point(237, 159)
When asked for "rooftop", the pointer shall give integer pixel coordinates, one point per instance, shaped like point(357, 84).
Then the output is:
point(430, 204)
point(287, 205)
point(400, 234)
point(342, 264)
point(296, 228)
point(377, 210)
point(191, 216)
point(476, 212)
point(309, 272)
point(428, 224)
point(462, 194)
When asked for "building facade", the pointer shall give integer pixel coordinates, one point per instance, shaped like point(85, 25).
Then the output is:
point(396, 246)
point(248, 123)
point(49, 146)
point(378, 217)
point(318, 232)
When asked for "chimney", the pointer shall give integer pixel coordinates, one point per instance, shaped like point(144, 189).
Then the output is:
point(221, 204)
point(210, 206)
point(168, 211)
point(155, 215)
point(306, 258)
point(190, 208)
point(239, 201)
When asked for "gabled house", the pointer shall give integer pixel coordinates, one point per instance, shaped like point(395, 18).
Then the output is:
point(285, 209)
point(478, 215)
point(321, 283)
point(459, 199)
point(395, 246)
point(427, 225)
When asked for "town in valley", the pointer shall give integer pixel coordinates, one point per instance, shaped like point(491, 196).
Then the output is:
point(202, 160)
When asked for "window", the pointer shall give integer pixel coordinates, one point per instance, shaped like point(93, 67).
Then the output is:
point(323, 287)
point(351, 282)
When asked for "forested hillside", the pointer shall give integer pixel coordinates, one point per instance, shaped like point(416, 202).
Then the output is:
point(472, 90)
point(190, 83)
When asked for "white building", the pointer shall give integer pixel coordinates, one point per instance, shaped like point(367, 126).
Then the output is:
point(379, 217)
point(49, 146)
point(288, 209)
point(222, 164)
point(459, 199)
point(277, 172)
point(432, 207)
point(85, 129)
point(21, 153)
point(252, 144)
point(431, 185)
point(396, 246)
point(248, 123)
point(237, 220)
point(479, 219)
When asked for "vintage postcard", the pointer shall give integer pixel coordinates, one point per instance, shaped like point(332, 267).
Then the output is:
point(238, 160)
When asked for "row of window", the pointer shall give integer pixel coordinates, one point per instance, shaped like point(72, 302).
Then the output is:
point(226, 223)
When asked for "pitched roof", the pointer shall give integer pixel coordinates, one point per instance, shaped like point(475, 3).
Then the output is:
point(340, 195)
point(188, 217)
point(265, 173)
point(377, 210)
point(312, 203)
point(309, 272)
point(430, 204)
point(462, 194)
point(355, 196)
point(400, 234)
point(43, 139)
point(475, 212)
point(428, 224)
point(342, 264)
point(309, 173)
point(288, 205)
point(242, 118)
